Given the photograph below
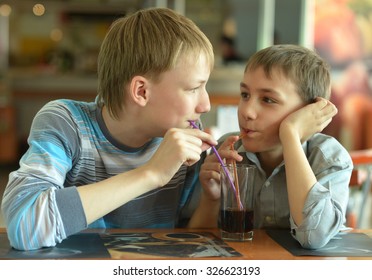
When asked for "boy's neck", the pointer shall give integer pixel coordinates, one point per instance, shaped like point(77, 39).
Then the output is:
point(270, 160)
point(125, 131)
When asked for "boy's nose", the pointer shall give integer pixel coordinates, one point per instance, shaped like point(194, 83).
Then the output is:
point(204, 104)
point(249, 110)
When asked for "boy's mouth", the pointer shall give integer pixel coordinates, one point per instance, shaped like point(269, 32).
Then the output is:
point(193, 123)
point(246, 132)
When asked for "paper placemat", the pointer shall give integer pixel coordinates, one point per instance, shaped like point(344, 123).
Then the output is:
point(167, 245)
point(78, 246)
point(127, 245)
point(345, 244)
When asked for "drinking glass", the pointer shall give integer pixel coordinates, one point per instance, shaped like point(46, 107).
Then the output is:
point(237, 202)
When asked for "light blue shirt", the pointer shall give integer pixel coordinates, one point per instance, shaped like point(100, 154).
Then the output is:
point(325, 208)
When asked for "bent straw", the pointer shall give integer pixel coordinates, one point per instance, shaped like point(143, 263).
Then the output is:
point(192, 123)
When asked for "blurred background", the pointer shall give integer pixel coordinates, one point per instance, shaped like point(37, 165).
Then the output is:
point(49, 48)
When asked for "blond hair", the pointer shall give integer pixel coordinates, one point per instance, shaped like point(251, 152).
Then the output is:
point(148, 43)
point(302, 66)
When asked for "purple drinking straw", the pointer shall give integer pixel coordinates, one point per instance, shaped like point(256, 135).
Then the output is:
point(192, 123)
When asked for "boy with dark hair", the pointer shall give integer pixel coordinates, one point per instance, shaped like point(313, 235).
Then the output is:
point(302, 176)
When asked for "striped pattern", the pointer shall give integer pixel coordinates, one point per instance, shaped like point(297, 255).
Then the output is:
point(69, 147)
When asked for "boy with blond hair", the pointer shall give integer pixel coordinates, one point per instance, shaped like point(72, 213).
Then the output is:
point(128, 160)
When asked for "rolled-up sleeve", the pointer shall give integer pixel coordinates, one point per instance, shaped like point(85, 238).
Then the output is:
point(325, 208)
point(35, 202)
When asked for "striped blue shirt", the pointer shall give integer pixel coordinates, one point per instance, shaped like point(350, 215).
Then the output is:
point(70, 146)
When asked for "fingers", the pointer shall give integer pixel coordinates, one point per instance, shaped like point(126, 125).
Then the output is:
point(321, 101)
point(179, 146)
point(225, 152)
point(326, 111)
point(204, 140)
point(308, 120)
point(210, 170)
point(326, 106)
point(209, 177)
point(203, 136)
point(188, 144)
point(229, 141)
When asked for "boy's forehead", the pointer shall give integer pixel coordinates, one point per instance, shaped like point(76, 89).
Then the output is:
point(188, 68)
point(270, 72)
point(191, 58)
point(276, 75)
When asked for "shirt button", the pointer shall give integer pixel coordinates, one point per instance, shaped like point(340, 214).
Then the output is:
point(267, 184)
point(268, 219)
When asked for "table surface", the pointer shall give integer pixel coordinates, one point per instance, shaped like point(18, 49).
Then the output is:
point(262, 247)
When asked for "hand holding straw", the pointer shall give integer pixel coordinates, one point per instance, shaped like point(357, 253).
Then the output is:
point(192, 123)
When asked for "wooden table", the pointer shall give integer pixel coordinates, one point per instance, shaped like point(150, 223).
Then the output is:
point(262, 247)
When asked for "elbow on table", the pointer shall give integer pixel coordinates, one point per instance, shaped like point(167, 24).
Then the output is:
point(25, 238)
point(21, 241)
point(16, 243)
point(314, 244)
point(313, 239)
point(28, 228)
point(24, 242)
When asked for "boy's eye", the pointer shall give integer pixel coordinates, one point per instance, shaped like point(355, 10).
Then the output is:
point(268, 100)
point(244, 95)
point(194, 90)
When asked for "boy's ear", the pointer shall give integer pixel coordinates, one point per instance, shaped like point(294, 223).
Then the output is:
point(139, 90)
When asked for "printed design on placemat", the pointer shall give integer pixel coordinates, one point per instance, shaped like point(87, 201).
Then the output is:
point(165, 245)
point(77, 246)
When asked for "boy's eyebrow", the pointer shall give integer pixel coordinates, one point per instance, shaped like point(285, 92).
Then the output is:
point(202, 81)
point(262, 90)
